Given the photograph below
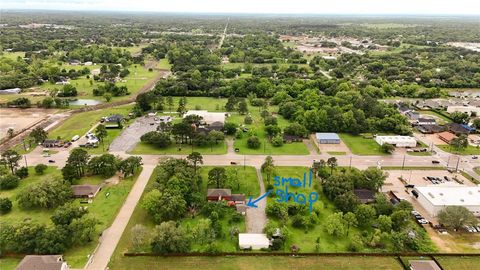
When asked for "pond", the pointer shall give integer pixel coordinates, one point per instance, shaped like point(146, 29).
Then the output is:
point(82, 102)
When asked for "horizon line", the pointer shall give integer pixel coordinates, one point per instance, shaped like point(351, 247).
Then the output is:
point(248, 13)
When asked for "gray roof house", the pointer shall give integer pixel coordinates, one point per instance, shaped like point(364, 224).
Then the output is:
point(42, 262)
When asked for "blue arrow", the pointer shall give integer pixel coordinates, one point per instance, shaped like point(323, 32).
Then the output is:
point(252, 204)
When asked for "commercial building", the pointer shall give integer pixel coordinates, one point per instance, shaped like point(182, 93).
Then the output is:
point(436, 198)
point(208, 117)
point(253, 241)
point(397, 141)
point(327, 138)
point(446, 136)
point(464, 109)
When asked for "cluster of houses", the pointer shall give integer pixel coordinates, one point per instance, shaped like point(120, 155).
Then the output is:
point(425, 125)
point(470, 105)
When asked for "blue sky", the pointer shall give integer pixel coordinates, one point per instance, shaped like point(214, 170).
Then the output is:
point(464, 7)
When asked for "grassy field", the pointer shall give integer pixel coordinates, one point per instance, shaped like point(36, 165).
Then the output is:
point(459, 263)
point(422, 154)
point(9, 263)
point(306, 239)
point(361, 146)
point(260, 263)
point(140, 216)
point(164, 64)
point(470, 150)
point(80, 123)
point(18, 214)
point(177, 149)
point(247, 178)
point(443, 119)
point(337, 153)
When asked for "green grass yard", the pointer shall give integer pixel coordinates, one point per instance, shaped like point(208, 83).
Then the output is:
point(254, 263)
point(80, 123)
point(459, 263)
point(177, 149)
point(470, 150)
point(247, 177)
point(361, 146)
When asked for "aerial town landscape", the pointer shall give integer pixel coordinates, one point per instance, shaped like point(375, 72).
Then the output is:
point(150, 140)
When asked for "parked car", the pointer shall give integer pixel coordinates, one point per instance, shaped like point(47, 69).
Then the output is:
point(51, 161)
point(474, 157)
point(435, 162)
point(233, 163)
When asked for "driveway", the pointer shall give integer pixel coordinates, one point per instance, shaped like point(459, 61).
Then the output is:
point(111, 236)
point(256, 218)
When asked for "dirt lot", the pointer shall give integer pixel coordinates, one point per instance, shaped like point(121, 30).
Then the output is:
point(19, 119)
point(433, 138)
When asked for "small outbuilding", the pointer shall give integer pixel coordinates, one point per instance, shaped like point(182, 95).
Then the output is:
point(10, 91)
point(446, 136)
point(364, 195)
point(423, 265)
point(254, 241)
point(86, 191)
point(327, 138)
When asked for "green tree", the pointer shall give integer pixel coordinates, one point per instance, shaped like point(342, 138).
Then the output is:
point(459, 117)
point(335, 225)
point(332, 163)
point(195, 158)
point(10, 158)
point(169, 238)
point(365, 215)
point(350, 220)
point(242, 107)
point(253, 142)
point(130, 165)
point(40, 169)
point(5, 206)
point(384, 223)
point(38, 134)
point(387, 148)
point(460, 143)
point(65, 214)
point(217, 177)
point(454, 217)
point(46, 194)
point(268, 168)
point(83, 230)
point(139, 235)
point(164, 206)
point(78, 159)
point(101, 133)
point(9, 181)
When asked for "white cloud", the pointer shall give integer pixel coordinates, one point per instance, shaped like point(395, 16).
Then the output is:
point(467, 7)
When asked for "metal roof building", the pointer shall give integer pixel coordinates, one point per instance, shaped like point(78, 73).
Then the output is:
point(397, 141)
point(327, 138)
point(436, 198)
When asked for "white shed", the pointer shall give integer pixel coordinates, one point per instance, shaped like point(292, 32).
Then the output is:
point(254, 241)
point(397, 141)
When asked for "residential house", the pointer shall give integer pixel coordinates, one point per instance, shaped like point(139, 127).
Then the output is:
point(412, 115)
point(459, 129)
point(113, 121)
point(42, 262)
point(423, 265)
point(86, 191)
point(430, 129)
point(364, 195)
point(219, 194)
point(287, 138)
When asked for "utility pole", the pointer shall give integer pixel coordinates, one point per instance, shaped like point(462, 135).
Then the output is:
point(403, 163)
point(244, 161)
point(26, 164)
point(350, 162)
point(458, 162)
point(448, 160)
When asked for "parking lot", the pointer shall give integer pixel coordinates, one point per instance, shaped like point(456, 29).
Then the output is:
point(421, 178)
point(130, 135)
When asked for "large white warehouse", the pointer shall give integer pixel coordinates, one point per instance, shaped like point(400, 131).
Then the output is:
point(435, 198)
point(397, 141)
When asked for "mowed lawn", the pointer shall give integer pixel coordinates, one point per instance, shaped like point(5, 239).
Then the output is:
point(139, 76)
point(361, 146)
point(247, 177)
point(9, 263)
point(459, 263)
point(470, 150)
point(80, 123)
point(260, 263)
point(178, 149)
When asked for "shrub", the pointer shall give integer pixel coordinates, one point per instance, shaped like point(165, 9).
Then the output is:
point(5, 205)
point(40, 168)
point(9, 181)
point(277, 141)
point(22, 172)
point(248, 120)
point(253, 142)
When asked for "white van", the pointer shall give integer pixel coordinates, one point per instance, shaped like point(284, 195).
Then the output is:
point(75, 138)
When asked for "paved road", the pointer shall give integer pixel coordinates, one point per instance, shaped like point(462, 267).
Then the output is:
point(111, 236)
point(130, 136)
point(256, 218)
